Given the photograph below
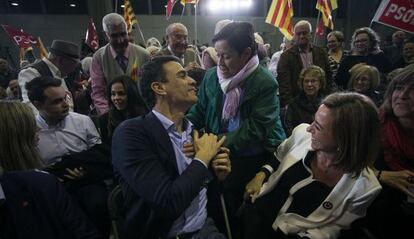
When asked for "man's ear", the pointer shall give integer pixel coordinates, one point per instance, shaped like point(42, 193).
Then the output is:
point(158, 88)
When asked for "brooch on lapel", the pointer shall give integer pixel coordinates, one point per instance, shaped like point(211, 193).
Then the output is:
point(327, 205)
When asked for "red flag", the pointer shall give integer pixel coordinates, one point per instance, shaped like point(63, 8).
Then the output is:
point(170, 5)
point(320, 29)
point(91, 38)
point(21, 39)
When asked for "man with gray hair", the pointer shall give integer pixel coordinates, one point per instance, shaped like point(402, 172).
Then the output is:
point(176, 36)
point(118, 57)
point(63, 58)
point(300, 56)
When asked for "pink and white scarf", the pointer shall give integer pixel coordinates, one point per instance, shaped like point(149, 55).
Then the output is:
point(231, 87)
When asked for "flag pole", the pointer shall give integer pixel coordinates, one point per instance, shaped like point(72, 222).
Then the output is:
point(182, 12)
point(317, 24)
point(195, 27)
point(142, 35)
point(116, 6)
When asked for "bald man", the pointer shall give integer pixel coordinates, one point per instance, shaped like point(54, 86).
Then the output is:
point(176, 36)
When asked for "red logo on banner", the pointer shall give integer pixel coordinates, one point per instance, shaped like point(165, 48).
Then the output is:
point(396, 13)
point(21, 39)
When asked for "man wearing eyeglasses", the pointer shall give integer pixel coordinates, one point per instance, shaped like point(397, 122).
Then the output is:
point(118, 57)
point(62, 60)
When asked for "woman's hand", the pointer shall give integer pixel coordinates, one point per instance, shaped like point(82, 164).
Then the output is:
point(221, 164)
point(253, 187)
point(400, 180)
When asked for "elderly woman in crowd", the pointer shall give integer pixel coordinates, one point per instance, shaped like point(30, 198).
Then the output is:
point(237, 99)
point(336, 52)
point(365, 79)
point(323, 181)
point(36, 205)
point(304, 106)
point(365, 48)
point(390, 214)
point(125, 103)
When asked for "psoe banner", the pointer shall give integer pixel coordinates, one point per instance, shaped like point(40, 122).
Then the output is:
point(21, 39)
point(397, 14)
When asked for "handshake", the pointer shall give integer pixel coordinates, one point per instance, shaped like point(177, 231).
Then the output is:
point(208, 148)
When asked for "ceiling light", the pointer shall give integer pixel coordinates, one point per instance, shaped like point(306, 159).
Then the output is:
point(72, 5)
point(14, 4)
point(123, 6)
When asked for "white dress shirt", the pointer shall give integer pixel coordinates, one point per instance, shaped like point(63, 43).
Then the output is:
point(73, 134)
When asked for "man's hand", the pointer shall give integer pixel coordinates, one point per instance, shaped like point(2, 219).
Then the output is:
point(74, 174)
point(206, 146)
point(221, 164)
point(400, 180)
point(188, 150)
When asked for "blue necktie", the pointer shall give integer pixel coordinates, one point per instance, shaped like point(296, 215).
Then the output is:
point(121, 62)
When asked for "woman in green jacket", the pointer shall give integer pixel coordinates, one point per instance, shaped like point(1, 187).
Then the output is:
point(238, 99)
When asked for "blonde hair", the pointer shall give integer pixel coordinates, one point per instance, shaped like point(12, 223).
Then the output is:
point(314, 71)
point(17, 137)
point(361, 69)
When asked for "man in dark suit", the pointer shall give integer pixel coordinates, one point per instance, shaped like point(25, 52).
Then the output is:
point(300, 56)
point(163, 180)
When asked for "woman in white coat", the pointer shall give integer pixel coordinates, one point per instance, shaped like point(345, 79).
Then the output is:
point(323, 181)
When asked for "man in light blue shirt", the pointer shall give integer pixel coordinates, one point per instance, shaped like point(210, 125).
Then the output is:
point(164, 181)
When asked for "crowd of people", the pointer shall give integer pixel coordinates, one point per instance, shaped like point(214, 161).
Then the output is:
point(227, 141)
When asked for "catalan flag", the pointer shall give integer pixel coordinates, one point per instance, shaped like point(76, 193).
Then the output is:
point(326, 7)
point(280, 15)
point(183, 2)
point(129, 16)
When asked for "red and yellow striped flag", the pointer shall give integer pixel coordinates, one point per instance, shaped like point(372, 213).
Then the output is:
point(326, 7)
point(183, 2)
point(129, 16)
point(280, 15)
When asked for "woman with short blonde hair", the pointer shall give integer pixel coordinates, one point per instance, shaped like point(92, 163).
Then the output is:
point(365, 79)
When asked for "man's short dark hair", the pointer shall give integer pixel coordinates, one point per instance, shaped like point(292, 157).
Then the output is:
point(38, 85)
point(152, 71)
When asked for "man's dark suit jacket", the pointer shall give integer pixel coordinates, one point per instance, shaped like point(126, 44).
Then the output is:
point(145, 164)
point(37, 206)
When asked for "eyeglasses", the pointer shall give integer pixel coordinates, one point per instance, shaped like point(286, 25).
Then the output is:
point(361, 40)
